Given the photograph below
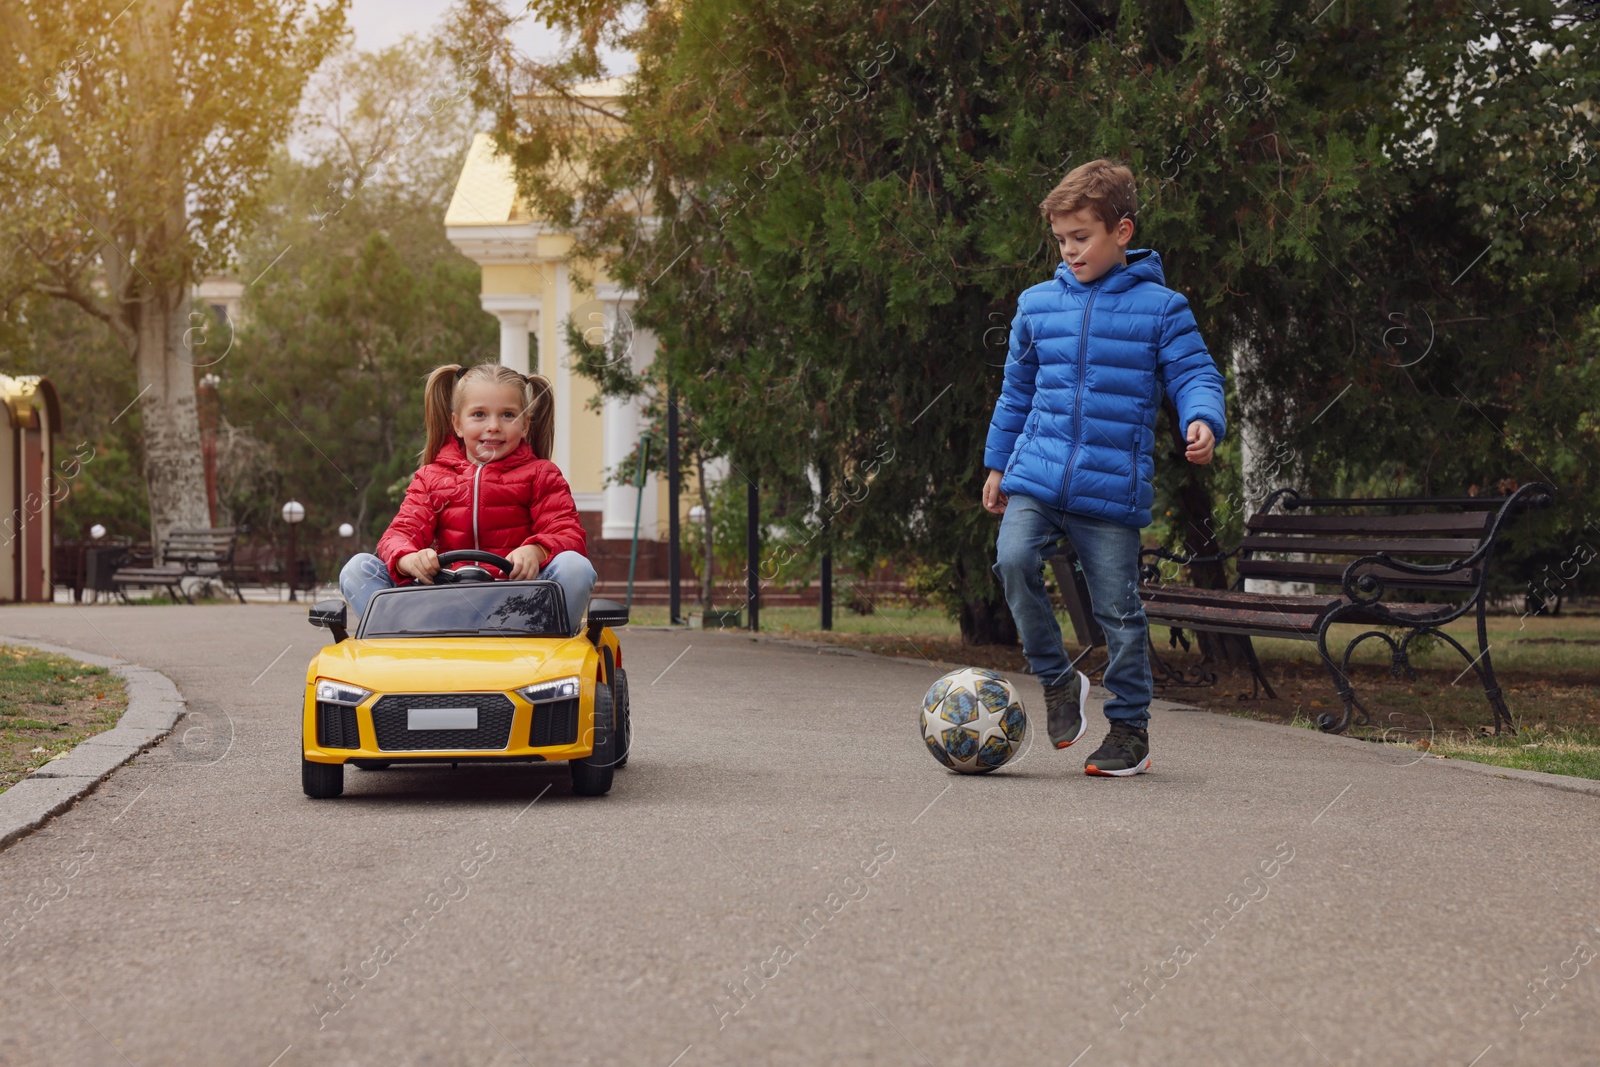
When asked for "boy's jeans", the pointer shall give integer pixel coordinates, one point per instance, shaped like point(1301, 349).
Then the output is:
point(365, 575)
point(1029, 531)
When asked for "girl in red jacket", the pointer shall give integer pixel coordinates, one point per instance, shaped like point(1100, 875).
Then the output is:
point(486, 482)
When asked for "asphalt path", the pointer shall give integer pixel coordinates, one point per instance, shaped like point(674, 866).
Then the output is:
point(781, 876)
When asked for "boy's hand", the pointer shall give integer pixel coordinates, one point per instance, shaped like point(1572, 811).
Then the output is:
point(526, 562)
point(1201, 443)
point(420, 565)
point(993, 499)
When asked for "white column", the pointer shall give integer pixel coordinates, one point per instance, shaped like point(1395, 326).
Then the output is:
point(623, 423)
point(621, 427)
point(518, 315)
point(558, 368)
point(644, 353)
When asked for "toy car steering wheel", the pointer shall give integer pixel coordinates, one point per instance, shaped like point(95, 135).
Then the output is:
point(469, 574)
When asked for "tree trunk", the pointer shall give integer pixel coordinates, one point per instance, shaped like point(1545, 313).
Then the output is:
point(706, 578)
point(173, 471)
point(985, 619)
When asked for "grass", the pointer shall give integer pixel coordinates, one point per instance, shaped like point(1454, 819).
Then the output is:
point(49, 703)
point(1562, 750)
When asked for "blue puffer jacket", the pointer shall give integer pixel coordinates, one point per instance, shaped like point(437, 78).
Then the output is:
point(1075, 424)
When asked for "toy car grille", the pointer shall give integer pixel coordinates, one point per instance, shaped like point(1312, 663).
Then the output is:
point(336, 726)
point(555, 722)
point(390, 722)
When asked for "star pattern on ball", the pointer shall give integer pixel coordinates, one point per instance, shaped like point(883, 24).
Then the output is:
point(972, 720)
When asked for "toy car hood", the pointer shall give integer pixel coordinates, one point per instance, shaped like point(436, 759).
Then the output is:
point(419, 665)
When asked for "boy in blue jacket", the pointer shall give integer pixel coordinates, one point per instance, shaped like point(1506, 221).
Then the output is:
point(1071, 446)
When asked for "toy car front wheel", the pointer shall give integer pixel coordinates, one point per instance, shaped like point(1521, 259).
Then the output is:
point(591, 775)
point(321, 780)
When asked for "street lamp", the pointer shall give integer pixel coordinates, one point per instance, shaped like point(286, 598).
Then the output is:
point(294, 513)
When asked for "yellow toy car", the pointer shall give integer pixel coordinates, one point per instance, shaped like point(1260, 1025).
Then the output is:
point(468, 670)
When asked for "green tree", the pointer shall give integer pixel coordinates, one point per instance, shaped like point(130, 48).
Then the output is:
point(137, 138)
point(840, 212)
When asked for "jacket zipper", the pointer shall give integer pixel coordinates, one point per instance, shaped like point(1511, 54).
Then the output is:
point(1077, 403)
point(1138, 453)
point(476, 474)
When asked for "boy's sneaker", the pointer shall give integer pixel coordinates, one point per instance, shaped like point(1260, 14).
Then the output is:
point(1125, 751)
point(1064, 706)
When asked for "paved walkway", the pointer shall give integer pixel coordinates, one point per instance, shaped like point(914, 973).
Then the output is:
point(781, 876)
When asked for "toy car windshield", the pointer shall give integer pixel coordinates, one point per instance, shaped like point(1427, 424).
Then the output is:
point(511, 609)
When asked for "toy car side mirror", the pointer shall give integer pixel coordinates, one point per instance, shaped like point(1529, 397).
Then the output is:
point(331, 614)
point(603, 613)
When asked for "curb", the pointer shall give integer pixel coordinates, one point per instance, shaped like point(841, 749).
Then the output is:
point(154, 705)
point(1566, 783)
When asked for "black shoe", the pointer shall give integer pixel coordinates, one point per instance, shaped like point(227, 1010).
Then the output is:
point(1125, 751)
point(1064, 707)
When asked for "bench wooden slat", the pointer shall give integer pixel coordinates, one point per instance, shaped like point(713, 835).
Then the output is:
point(1440, 524)
point(1399, 546)
point(1188, 594)
point(1282, 620)
point(128, 574)
point(1333, 574)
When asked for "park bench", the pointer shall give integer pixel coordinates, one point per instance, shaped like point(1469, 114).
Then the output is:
point(1440, 547)
point(185, 553)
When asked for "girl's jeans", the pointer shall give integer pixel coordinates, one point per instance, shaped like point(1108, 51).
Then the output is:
point(1029, 533)
point(365, 575)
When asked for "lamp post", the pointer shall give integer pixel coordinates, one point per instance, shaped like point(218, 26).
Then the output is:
point(206, 399)
point(294, 513)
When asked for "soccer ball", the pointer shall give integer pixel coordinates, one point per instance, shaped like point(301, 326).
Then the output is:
point(972, 720)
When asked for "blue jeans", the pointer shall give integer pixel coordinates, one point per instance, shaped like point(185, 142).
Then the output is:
point(365, 575)
point(1029, 532)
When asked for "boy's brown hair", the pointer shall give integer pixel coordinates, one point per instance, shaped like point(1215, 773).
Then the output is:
point(1104, 187)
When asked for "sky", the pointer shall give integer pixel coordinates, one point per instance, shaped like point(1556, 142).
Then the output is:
point(383, 22)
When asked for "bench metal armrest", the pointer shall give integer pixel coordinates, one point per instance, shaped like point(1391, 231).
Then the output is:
point(1149, 572)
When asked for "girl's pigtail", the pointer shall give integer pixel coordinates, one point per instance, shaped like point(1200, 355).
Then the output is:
point(541, 416)
point(437, 396)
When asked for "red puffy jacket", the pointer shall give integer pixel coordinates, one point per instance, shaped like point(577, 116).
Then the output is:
point(453, 503)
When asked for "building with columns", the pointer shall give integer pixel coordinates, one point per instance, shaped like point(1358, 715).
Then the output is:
point(528, 284)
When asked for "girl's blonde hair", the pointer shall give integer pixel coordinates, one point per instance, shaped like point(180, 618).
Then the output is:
point(445, 391)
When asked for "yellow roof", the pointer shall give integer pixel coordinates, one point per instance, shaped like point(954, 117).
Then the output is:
point(486, 192)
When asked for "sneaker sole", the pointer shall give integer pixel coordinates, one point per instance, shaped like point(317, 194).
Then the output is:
point(1139, 768)
point(1083, 712)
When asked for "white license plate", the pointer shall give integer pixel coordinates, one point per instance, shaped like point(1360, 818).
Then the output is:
point(442, 719)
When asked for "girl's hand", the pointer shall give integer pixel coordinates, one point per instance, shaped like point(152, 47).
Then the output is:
point(1201, 443)
point(526, 562)
point(420, 565)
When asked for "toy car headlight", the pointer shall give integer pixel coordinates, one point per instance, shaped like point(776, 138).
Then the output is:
point(559, 689)
point(331, 692)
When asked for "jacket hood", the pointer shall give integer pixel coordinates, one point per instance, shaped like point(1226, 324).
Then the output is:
point(454, 456)
point(1144, 265)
